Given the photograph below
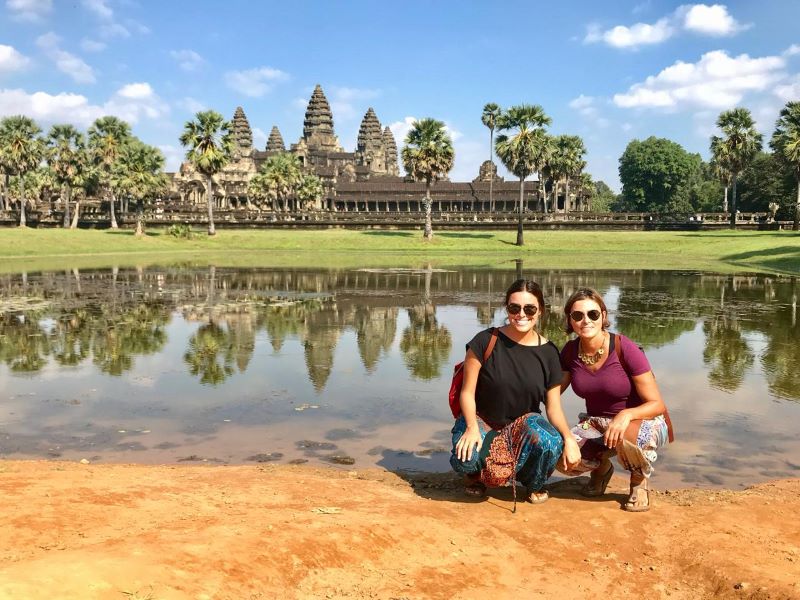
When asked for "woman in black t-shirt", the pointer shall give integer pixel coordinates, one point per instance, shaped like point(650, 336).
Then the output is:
point(506, 391)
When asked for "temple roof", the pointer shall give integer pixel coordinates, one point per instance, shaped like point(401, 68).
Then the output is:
point(370, 130)
point(318, 117)
point(242, 133)
point(275, 141)
point(388, 140)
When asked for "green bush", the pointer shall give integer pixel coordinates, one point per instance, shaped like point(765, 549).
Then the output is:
point(180, 231)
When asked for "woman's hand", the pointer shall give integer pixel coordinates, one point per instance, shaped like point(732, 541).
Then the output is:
point(616, 429)
point(469, 441)
point(571, 457)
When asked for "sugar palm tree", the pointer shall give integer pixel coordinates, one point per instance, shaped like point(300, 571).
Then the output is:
point(22, 150)
point(785, 143)
point(66, 155)
point(522, 150)
point(209, 139)
point(572, 150)
point(720, 167)
point(489, 118)
point(741, 143)
point(139, 174)
point(107, 137)
point(309, 191)
point(428, 155)
point(279, 180)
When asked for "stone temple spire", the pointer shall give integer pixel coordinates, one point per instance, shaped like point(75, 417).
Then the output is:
point(391, 153)
point(318, 124)
point(369, 147)
point(242, 134)
point(275, 141)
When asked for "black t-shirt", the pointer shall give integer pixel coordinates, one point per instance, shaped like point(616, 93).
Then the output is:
point(515, 379)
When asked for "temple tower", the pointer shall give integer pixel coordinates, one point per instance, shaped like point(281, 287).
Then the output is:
point(275, 141)
point(318, 132)
point(242, 134)
point(391, 153)
point(370, 150)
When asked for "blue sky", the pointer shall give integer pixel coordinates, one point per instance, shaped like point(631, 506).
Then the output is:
point(607, 71)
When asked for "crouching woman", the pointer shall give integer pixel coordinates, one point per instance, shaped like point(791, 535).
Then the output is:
point(508, 373)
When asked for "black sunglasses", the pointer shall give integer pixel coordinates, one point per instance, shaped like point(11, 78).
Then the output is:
point(530, 309)
point(577, 315)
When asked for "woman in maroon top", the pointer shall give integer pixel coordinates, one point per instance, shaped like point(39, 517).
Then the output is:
point(624, 409)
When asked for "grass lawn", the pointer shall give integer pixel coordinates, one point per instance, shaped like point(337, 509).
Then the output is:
point(726, 251)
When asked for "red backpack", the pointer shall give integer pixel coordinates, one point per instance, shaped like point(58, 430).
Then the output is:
point(458, 377)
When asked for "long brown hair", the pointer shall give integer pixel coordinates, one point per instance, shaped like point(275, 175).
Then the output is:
point(584, 294)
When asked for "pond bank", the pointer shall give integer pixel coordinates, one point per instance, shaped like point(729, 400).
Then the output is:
point(169, 532)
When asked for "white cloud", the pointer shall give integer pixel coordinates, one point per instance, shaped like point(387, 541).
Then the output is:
point(789, 90)
point(259, 138)
point(350, 103)
point(88, 45)
point(136, 91)
point(188, 60)
point(75, 108)
point(630, 37)
point(11, 60)
point(114, 30)
point(400, 130)
point(100, 8)
point(191, 105)
point(173, 155)
point(29, 10)
point(65, 62)
point(255, 82)
point(711, 20)
point(716, 81)
point(585, 105)
point(792, 50)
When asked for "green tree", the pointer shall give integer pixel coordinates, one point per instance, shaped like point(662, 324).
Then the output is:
point(569, 151)
point(279, 179)
point(21, 151)
point(491, 112)
point(107, 137)
point(428, 155)
point(66, 155)
point(604, 197)
point(652, 172)
point(764, 181)
point(785, 143)
point(210, 144)
point(721, 168)
point(309, 191)
point(741, 143)
point(523, 149)
point(138, 173)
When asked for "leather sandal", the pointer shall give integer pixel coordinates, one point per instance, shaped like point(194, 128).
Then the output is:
point(475, 489)
point(632, 505)
point(538, 497)
point(597, 485)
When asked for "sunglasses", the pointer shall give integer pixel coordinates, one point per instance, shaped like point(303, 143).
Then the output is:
point(577, 315)
point(515, 309)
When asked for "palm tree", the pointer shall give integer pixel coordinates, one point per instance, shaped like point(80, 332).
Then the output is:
point(524, 151)
point(489, 118)
point(428, 155)
point(785, 143)
point(66, 155)
point(721, 167)
point(87, 185)
point(22, 150)
point(309, 191)
point(209, 139)
point(741, 141)
point(572, 150)
point(139, 174)
point(279, 180)
point(107, 137)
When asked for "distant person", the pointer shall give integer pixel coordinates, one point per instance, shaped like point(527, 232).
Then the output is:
point(624, 409)
point(505, 391)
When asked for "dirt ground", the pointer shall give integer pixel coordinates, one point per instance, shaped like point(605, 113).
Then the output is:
point(249, 532)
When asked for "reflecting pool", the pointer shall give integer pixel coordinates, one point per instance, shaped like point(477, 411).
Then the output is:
point(352, 367)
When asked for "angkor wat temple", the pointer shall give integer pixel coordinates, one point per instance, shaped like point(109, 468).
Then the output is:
point(367, 179)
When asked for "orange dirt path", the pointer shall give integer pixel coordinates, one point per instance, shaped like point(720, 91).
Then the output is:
point(248, 532)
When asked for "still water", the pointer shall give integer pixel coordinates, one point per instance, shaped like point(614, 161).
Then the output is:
point(352, 367)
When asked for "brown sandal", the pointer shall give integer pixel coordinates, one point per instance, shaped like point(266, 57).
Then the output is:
point(597, 486)
point(632, 505)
